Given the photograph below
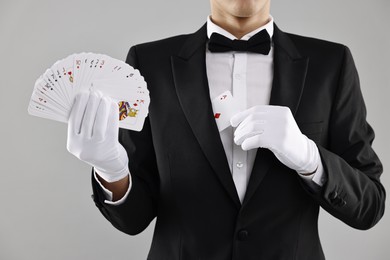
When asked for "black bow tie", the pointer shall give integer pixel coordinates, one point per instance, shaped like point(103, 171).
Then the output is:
point(258, 43)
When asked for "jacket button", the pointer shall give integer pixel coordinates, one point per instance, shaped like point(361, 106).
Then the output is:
point(333, 195)
point(242, 235)
point(342, 203)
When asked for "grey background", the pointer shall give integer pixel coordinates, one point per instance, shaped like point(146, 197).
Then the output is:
point(46, 211)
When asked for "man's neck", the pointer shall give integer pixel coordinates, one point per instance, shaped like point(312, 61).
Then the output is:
point(239, 26)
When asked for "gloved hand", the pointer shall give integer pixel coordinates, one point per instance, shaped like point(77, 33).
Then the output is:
point(274, 128)
point(93, 135)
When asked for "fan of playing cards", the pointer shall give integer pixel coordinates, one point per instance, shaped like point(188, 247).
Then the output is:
point(54, 91)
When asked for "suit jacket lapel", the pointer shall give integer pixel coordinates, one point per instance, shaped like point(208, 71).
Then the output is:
point(288, 82)
point(289, 72)
point(189, 72)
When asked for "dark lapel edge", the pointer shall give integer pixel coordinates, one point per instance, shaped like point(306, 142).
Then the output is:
point(190, 77)
point(290, 70)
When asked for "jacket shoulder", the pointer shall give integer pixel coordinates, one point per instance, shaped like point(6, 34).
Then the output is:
point(161, 51)
point(164, 47)
point(154, 52)
point(310, 46)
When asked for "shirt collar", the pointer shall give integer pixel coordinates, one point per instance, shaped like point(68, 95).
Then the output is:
point(212, 27)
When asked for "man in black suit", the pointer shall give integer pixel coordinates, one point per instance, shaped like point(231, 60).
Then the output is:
point(252, 190)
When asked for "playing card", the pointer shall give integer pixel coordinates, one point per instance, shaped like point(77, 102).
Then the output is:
point(54, 91)
point(78, 69)
point(115, 69)
point(65, 67)
point(47, 101)
point(132, 103)
point(224, 107)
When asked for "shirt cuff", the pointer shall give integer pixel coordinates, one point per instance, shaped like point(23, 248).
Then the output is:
point(108, 194)
point(318, 178)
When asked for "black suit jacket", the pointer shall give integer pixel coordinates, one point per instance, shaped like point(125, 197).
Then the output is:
point(180, 172)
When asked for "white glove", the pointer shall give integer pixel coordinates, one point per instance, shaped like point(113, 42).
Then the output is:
point(93, 135)
point(274, 128)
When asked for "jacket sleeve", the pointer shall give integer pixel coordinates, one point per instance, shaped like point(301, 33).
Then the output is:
point(353, 192)
point(140, 207)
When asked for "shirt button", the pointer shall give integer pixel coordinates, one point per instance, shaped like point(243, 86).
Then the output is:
point(238, 76)
point(242, 235)
point(239, 165)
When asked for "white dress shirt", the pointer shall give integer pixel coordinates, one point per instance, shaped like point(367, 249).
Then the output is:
point(248, 76)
